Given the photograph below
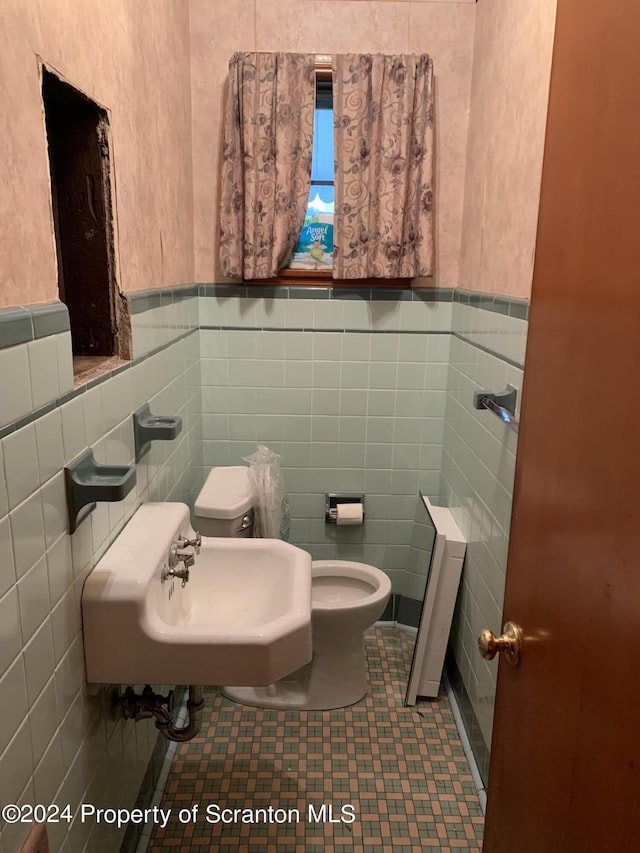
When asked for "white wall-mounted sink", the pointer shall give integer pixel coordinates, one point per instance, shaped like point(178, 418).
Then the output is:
point(243, 618)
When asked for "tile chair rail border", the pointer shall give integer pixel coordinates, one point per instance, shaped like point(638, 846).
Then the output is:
point(24, 323)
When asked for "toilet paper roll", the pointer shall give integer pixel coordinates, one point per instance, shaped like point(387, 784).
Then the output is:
point(349, 513)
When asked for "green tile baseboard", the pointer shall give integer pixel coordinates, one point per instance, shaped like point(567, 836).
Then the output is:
point(472, 727)
point(402, 610)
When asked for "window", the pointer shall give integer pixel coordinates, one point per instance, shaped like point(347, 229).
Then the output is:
point(315, 247)
point(278, 123)
point(312, 259)
point(80, 167)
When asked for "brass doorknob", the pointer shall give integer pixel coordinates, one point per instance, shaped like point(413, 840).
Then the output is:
point(509, 644)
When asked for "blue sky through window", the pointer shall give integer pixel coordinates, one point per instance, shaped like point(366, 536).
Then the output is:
point(322, 162)
point(314, 250)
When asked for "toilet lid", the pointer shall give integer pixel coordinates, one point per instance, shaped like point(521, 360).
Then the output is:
point(226, 493)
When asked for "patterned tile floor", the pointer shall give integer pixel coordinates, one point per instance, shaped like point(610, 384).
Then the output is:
point(374, 777)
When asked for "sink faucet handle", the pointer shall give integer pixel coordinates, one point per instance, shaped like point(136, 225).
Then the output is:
point(189, 560)
point(195, 543)
point(178, 555)
point(171, 573)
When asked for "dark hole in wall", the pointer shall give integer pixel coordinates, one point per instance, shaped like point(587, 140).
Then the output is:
point(77, 137)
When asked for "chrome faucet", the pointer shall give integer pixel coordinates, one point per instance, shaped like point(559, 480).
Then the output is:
point(195, 543)
point(177, 555)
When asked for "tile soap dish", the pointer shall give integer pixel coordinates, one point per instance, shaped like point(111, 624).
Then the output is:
point(148, 428)
point(88, 482)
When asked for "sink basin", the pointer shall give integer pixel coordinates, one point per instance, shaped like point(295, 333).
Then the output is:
point(243, 618)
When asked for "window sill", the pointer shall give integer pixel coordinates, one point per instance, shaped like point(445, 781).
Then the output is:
point(89, 367)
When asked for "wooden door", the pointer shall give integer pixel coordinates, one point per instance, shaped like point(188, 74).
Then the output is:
point(565, 763)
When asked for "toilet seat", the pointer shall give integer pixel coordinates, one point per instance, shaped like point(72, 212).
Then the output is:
point(342, 584)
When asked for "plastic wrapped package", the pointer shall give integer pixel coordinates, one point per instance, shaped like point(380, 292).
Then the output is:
point(272, 517)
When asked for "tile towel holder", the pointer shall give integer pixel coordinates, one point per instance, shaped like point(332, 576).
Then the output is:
point(148, 428)
point(88, 482)
point(502, 404)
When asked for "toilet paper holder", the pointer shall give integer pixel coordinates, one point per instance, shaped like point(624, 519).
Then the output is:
point(332, 499)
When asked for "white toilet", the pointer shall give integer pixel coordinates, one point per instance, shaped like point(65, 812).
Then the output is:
point(346, 599)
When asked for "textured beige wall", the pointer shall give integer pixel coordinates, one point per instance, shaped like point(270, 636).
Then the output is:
point(442, 29)
point(132, 56)
point(509, 96)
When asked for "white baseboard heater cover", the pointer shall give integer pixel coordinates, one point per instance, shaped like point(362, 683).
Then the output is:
point(443, 579)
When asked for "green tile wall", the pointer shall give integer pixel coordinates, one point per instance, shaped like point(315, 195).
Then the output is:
point(478, 466)
point(347, 411)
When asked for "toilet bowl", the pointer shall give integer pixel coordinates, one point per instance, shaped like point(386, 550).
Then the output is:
point(346, 599)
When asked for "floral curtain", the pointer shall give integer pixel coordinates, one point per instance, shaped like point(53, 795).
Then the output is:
point(266, 161)
point(383, 117)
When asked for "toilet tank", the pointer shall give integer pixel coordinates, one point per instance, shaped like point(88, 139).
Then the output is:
point(224, 506)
